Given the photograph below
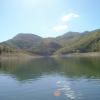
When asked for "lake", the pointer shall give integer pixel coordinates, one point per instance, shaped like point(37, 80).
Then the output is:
point(50, 79)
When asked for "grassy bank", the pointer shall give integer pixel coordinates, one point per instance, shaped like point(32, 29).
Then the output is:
point(20, 56)
point(25, 56)
point(89, 54)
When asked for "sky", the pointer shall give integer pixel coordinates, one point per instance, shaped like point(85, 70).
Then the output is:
point(47, 18)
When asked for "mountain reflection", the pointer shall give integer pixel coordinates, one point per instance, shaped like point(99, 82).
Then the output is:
point(36, 68)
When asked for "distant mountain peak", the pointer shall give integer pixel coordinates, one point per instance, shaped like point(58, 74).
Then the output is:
point(69, 35)
point(28, 36)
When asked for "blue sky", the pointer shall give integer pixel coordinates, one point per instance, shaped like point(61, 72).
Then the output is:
point(47, 17)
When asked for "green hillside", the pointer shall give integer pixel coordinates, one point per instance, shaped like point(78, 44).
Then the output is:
point(84, 42)
point(33, 44)
point(6, 49)
point(70, 42)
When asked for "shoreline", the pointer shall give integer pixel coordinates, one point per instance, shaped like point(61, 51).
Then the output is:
point(19, 56)
point(22, 56)
point(89, 54)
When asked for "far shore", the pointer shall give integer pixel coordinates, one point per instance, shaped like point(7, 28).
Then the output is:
point(89, 54)
point(22, 56)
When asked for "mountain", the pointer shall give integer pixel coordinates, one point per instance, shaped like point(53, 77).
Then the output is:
point(84, 42)
point(33, 44)
point(71, 42)
point(67, 37)
point(24, 41)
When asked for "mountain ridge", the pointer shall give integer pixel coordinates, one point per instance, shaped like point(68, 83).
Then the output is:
point(70, 42)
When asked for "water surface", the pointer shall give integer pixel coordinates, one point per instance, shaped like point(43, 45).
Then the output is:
point(50, 79)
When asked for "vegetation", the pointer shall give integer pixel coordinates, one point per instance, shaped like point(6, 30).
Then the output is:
point(71, 42)
point(6, 49)
point(33, 44)
point(85, 42)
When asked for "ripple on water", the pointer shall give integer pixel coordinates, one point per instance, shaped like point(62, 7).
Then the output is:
point(65, 88)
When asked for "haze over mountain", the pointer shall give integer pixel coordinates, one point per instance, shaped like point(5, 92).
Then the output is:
point(70, 42)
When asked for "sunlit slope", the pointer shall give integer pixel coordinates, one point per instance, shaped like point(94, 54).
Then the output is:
point(86, 42)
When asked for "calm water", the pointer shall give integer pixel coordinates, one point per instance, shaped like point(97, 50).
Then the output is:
point(50, 79)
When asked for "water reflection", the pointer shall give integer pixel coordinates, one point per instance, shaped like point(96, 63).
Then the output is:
point(33, 69)
point(50, 79)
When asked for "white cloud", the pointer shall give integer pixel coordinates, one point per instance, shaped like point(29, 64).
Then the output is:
point(64, 22)
point(60, 28)
point(69, 17)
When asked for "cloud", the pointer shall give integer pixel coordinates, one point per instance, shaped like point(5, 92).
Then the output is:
point(69, 17)
point(60, 28)
point(64, 22)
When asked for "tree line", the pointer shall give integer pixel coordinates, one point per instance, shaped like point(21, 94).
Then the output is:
point(6, 49)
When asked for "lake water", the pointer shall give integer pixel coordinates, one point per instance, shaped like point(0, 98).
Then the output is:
point(50, 79)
